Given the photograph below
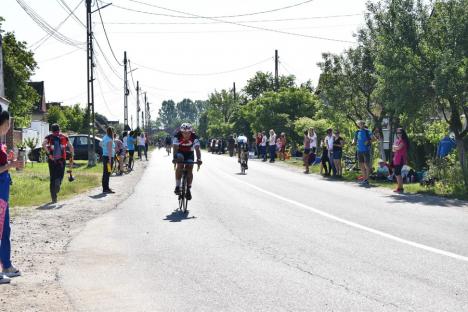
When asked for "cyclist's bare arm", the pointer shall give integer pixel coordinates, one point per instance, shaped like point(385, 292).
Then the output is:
point(198, 152)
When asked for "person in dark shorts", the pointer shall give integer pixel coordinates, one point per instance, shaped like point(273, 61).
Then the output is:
point(363, 141)
point(325, 160)
point(185, 143)
point(338, 144)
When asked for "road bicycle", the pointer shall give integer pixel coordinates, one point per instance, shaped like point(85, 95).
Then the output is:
point(115, 168)
point(350, 163)
point(183, 201)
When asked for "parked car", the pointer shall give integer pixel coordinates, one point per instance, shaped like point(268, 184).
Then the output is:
point(80, 144)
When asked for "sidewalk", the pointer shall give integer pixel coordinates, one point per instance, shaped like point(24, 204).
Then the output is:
point(40, 237)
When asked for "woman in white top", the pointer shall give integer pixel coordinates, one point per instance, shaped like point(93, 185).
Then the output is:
point(313, 140)
point(141, 146)
point(272, 145)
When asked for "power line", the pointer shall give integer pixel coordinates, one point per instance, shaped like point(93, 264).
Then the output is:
point(226, 31)
point(65, 6)
point(47, 28)
point(105, 33)
point(59, 56)
point(203, 74)
point(104, 99)
point(234, 23)
point(244, 22)
point(41, 41)
point(221, 16)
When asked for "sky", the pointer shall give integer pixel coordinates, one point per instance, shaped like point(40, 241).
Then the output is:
point(181, 55)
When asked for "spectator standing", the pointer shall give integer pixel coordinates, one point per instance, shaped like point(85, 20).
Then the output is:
point(108, 153)
point(272, 145)
point(282, 152)
point(400, 156)
point(55, 145)
point(263, 146)
point(329, 139)
point(325, 160)
point(258, 142)
point(119, 153)
point(306, 151)
point(141, 146)
point(338, 143)
point(131, 149)
point(231, 145)
point(363, 141)
point(146, 146)
point(313, 140)
point(8, 270)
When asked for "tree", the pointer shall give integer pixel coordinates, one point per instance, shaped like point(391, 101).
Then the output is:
point(168, 114)
point(75, 116)
point(55, 115)
point(263, 82)
point(280, 110)
point(446, 47)
point(348, 83)
point(19, 66)
point(187, 111)
point(422, 62)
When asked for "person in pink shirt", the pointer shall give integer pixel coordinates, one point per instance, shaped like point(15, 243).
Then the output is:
point(400, 156)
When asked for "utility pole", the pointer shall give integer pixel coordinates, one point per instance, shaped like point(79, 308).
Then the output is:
point(90, 82)
point(148, 118)
point(234, 90)
point(276, 71)
point(126, 92)
point(131, 118)
point(138, 105)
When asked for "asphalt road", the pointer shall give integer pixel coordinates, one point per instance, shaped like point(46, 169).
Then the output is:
point(272, 240)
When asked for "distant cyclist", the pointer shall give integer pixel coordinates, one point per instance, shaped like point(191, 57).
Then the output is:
point(242, 144)
point(184, 143)
point(168, 144)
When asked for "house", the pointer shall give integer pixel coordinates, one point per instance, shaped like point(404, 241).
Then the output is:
point(39, 111)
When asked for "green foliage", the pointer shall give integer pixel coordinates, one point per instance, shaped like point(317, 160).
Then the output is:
point(55, 115)
point(19, 66)
point(448, 174)
point(75, 116)
point(263, 82)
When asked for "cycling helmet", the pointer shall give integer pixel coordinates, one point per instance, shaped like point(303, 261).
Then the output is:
point(186, 127)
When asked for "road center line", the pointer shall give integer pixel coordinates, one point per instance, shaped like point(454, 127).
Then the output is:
point(354, 224)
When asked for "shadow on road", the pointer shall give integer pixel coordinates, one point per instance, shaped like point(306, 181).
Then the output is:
point(50, 206)
point(178, 216)
point(427, 200)
point(98, 196)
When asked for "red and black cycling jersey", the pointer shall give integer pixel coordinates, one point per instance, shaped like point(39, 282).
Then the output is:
point(185, 145)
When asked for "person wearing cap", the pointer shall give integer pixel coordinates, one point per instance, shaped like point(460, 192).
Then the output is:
point(55, 145)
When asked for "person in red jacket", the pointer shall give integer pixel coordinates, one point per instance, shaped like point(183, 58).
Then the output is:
point(55, 145)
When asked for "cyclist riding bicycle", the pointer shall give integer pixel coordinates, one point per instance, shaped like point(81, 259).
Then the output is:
point(242, 144)
point(184, 143)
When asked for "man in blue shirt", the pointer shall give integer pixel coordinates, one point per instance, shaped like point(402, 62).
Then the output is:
point(363, 140)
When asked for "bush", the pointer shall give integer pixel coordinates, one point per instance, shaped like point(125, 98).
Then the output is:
point(448, 175)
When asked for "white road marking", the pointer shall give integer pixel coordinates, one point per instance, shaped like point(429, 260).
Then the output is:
point(356, 225)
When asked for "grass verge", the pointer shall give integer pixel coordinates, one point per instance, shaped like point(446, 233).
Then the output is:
point(413, 188)
point(31, 186)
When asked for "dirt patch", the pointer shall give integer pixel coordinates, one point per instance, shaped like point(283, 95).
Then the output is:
point(40, 236)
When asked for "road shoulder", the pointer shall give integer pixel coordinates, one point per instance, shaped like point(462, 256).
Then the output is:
point(40, 237)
